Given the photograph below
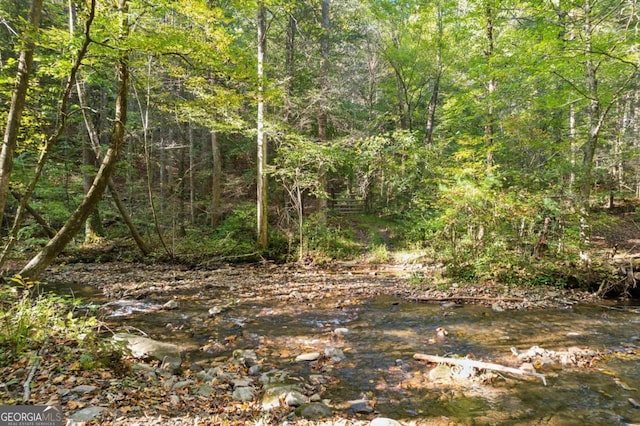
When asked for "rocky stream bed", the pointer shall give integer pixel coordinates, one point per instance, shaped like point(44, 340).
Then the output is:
point(270, 344)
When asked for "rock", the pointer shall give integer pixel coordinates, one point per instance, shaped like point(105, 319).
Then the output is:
point(310, 356)
point(273, 377)
point(360, 406)
point(145, 348)
point(314, 411)
point(245, 357)
point(84, 389)
point(295, 399)
point(204, 390)
point(440, 373)
point(170, 305)
point(254, 370)
point(290, 394)
point(242, 382)
point(341, 331)
point(335, 354)
point(383, 421)
point(86, 414)
point(244, 393)
point(182, 384)
point(205, 376)
point(217, 310)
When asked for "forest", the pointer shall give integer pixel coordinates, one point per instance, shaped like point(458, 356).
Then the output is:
point(488, 134)
point(465, 142)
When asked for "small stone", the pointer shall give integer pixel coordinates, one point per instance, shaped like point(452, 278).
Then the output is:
point(254, 370)
point(84, 389)
point(86, 414)
point(341, 331)
point(204, 390)
point(182, 384)
point(314, 411)
point(274, 376)
point(170, 305)
point(216, 310)
point(440, 373)
point(383, 421)
point(335, 354)
point(310, 356)
point(360, 406)
point(273, 397)
point(244, 394)
point(204, 376)
point(294, 399)
point(242, 382)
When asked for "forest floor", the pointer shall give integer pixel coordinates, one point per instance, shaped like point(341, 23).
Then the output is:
point(126, 396)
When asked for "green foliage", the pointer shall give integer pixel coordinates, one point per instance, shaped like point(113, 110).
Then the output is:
point(30, 319)
point(329, 241)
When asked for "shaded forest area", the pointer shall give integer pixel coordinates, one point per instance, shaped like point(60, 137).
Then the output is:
point(498, 139)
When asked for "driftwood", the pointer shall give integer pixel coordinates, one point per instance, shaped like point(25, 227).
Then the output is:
point(471, 298)
point(479, 365)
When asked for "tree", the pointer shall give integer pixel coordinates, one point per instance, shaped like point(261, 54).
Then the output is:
point(10, 140)
point(55, 246)
point(261, 142)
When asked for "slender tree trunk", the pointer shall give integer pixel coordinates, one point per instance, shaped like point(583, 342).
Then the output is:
point(55, 246)
point(323, 118)
point(18, 100)
point(216, 181)
point(589, 148)
point(489, 129)
point(94, 140)
point(44, 153)
point(290, 63)
point(435, 92)
point(262, 204)
point(192, 181)
point(93, 230)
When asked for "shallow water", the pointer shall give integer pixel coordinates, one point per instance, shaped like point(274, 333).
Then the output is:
point(384, 333)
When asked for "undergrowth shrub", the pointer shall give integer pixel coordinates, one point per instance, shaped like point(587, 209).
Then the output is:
point(30, 320)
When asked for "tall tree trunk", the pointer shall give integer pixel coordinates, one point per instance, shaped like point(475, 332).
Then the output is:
point(94, 140)
point(55, 246)
point(323, 119)
point(192, 180)
point(435, 91)
point(290, 64)
point(52, 139)
point(93, 230)
point(216, 180)
point(262, 204)
point(489, 128)
point(18, 100)
point(589, 148)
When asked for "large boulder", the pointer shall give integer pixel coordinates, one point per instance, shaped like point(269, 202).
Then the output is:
point(145, 348)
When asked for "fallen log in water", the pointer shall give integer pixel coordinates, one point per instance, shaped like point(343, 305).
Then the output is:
point(465, 362)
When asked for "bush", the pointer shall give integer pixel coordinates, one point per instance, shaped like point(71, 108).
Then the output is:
point(28, 320)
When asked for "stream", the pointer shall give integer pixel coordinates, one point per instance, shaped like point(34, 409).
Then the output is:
point(380, 335)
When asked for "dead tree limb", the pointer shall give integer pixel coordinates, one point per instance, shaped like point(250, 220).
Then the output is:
point(478, 364)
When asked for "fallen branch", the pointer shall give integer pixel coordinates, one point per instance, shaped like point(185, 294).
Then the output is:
point(472, 298)
point(478, 364)
point(26, 386)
